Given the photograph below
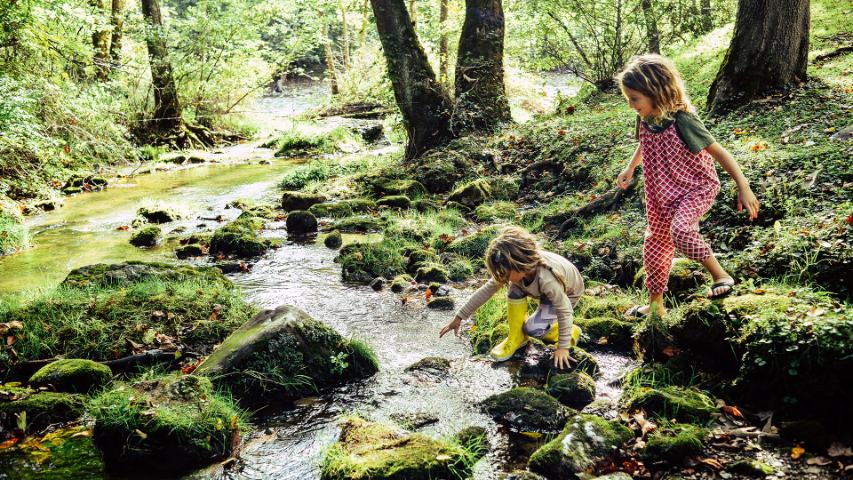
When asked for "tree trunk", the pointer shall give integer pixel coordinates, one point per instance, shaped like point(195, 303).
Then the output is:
point(769, 52)
point(413, 13)
point(344, 34)
point(101, 39)
point(362, 34)
point(424, 105)
point(651, 26)
point(331, 71)
point(167, 108)
point(481, 102)
point(442, 42)
point(117, 21)
point(707, 20)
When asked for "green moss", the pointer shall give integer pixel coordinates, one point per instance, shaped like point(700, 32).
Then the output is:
point(472, 194)
point(306, 139)
point(674, 443)
point(240, 237)
point(496, 211)
point(607, 331)
point(611, 306)
point(13, 233)
point(585, 440)
point(343, 208)
point(383, 186)
point(72, 375)
point(684, 404)
point(395, 201)
point(436, 365)
point(36, 410)
point(333, 239)
point(473, 246)
point(460, 269)
point(362, 262)
point(146, 237)
point(401, 282)
point(62, 454)
point(368, 450)
point(432, 273)
point(300, 222)
point(526, 409)
point(291, 200)
point(190, 250)
point(158, 214)
point(174, 419)
point(441, 303)
point(750, 467)
point(576, 389)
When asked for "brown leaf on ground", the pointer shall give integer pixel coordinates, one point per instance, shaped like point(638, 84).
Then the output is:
point(797, 452)
point(713, 463)
point(732, 410)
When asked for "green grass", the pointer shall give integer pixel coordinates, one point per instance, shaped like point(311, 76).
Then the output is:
point(304, 139)
point(13, 234)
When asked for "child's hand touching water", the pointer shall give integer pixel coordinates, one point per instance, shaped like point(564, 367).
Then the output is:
point(562, 359)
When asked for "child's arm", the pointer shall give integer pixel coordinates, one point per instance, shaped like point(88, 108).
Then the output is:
point(475, 301)
point(624, 178)
point(565, 321)
point(745, 197)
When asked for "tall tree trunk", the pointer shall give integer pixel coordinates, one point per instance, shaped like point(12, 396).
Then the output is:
point(413, 13)
point(769, 52)
point(651, 26)
point(344, 34)
point(707, 20)
point(481, 102)
point(167, 108)
point(424, 105)
point(101, 39)
point(442, 42)
point(117, 21)
point(331, 71)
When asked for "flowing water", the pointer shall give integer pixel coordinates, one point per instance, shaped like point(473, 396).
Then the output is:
point(290, 444)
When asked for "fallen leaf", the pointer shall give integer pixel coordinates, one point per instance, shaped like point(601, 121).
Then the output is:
point(815, 312)
point(712, 462)
point(214, 315)
point(123, 228)
point(797, 452)
point(9, 443)
point(733, 411)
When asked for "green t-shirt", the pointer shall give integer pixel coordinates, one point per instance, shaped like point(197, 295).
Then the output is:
point(689, 127)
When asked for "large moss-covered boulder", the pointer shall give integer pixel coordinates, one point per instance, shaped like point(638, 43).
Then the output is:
point(526, 409)
point(432, 273)
point(472, 194)
point(173, 420)
point(374, 451)
point(395, 201)
point(606, 332)
point(158, 214)
point(586, 440)
point(674, 443)
point(35, 410)
point(686, 404)
point(575, 390)
point(301, 222)
point(146, 236)
point(333, 240)
point(72, 375)
point(362, 262)
point(284, 354)
point(439, 170)
point(390, 186)
point(538, 363)
point(126, 273)
point(62, 454)
point(240, 237)
point(300, 201)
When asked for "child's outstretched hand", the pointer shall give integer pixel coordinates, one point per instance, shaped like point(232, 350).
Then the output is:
point(562, 359)
point(746, 199)
point(453, 325)
point(624, 178)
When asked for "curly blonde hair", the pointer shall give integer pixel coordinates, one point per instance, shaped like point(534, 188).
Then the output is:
point(657, 78)
point(515, 249)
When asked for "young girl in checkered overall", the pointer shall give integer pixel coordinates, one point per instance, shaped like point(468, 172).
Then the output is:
point(677, 154)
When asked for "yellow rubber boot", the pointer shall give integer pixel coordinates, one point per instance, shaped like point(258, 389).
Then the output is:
point(516, 315)
point(553, 335)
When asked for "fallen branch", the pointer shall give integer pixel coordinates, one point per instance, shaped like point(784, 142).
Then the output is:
point(607, 202)
point(835, 53)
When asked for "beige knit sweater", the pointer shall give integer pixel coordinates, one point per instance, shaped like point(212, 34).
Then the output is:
point(544, 284)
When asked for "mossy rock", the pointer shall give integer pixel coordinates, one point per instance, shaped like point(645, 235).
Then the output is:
point(473, 247)
point(343, 208)
point(368, 450)
point(362, 262)
point(284, 354)
point(300, 222)
point(63, 454)
point(685, 277)
point(606, 332)
point(240, 237)
point(146, 237)
point(440, 169)
point(522, 475)
point(472, 194)
point(395, 201)
point(383, 187)
point(175, 420)
point(685, 404)
point(333, 240)
point(612, 306)
point(539, 363)
point(190, 250)
point(441, 303)
point(526, 409)
point(359, 224)
point(42, 408)
point(575, 390)
point(586, 440)
point(674, 443)
point(460, 269)
point(433, 365)
point(74, 375)
point(503, 188)
point(425, 205)
point(401, 282)
point(419, 257)
point(432, 273)
point(750, 467)
point(291, 201)
point(158, 215)
point(126, 273)
point(496, 211)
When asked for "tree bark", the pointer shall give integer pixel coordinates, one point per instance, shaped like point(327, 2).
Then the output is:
point(442, 42)
point(707, 21)
point(424, 105)
point(768, 53)
point(167, 108)
point(117, 21)
point(101, 39)
point(331, 71)
point(651, 26)
point(362, 33)
point(344, 34)
point(481, 102)
point(413, 13)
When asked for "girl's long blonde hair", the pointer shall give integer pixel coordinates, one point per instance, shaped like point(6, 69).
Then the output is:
point(515, 250)
point(657, 78)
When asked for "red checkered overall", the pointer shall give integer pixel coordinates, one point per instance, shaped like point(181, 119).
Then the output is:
point(680, 188)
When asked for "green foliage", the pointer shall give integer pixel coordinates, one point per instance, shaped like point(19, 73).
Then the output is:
point(308, 139)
